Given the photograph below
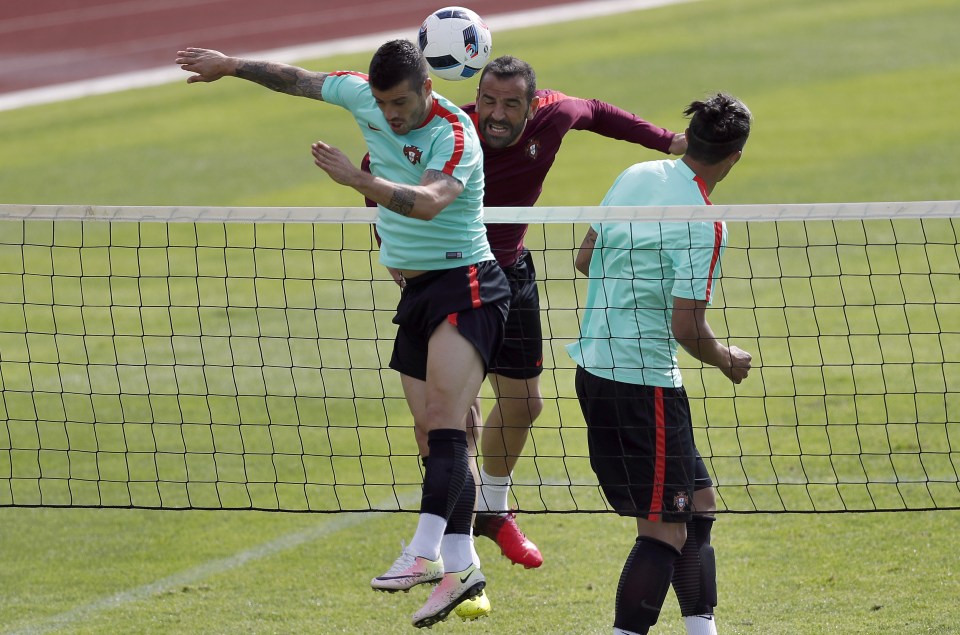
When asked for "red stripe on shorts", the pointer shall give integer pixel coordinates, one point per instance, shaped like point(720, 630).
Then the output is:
point(660, 460)
point(474, 287)
point(474, 283)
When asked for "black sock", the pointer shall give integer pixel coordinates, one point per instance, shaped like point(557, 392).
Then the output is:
point(461, 519)
point(643, 584)
point(445, 473)
point(695, 572)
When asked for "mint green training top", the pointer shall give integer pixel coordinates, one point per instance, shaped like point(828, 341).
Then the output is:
point(635, 272)
point(447, 142)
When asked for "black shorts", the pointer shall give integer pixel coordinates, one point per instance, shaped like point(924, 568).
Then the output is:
point(521, 356)
point(641, 446)
point(474, 298)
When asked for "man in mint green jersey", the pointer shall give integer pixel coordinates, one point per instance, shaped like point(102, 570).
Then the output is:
point(650, 285)
point(426, 176)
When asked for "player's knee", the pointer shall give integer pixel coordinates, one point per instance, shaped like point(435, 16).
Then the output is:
point(705, 501)
point(534, 407)
point(520, 412)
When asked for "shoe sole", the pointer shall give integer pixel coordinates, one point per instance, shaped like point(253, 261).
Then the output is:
point(521, 562)
point(471, 592)
point(472, 618)
point(404, 589)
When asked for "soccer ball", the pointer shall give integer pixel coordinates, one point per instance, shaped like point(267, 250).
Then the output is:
point(455, 42)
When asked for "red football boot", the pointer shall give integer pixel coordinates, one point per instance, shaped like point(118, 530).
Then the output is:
point(503, 530)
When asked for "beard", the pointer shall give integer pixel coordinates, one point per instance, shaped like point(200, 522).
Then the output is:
point(500, 134)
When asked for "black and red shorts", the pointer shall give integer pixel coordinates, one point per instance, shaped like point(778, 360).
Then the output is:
point(641, 447)
point(474, 298)
point(521, 356)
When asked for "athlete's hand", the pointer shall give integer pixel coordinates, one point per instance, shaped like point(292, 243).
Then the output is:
point(679, 144)
point(335, 163)
point(208, 65)
point(739, 365)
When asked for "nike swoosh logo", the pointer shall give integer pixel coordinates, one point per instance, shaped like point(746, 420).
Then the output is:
point(402, 576)
point(464, 579)
point(372, 127)
point(644, 605)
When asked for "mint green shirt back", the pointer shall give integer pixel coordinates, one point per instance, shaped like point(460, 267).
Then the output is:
point(636, 271)
point(447, 143)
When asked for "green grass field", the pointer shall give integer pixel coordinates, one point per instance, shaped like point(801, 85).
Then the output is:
point(852, 101)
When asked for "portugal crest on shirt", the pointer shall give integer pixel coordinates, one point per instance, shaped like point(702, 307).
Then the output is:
point(532, 148)
point(413, 154)
point(680, 501)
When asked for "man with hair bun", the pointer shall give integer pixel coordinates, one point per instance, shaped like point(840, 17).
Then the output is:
point(650, 285)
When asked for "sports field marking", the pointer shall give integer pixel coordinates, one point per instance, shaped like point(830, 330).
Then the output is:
point(171, 74)
point(71, 16)
point(201, 572)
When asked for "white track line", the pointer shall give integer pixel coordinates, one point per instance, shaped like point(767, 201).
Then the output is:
point(76, 16)
point(166, 75)
point(85, 612)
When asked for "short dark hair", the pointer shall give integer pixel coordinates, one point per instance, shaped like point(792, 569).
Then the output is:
point(719, 126)
point(507, 66)
point(395, 62)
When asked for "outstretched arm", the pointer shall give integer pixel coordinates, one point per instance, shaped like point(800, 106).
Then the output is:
point(610, 121)
point(424, 201)
point(209, 66)
point(694, 334)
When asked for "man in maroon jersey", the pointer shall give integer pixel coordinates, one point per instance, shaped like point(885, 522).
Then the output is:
point(521, 129)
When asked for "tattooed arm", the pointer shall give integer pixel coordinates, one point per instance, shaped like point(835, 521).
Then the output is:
point(209, 66)
point(435, 191)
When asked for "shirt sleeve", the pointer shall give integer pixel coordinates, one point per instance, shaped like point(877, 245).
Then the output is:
point(697, 268)
point(606, 119)
point(345, 88)
point(456, 151)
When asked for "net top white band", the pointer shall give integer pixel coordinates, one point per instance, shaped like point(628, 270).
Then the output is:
point(679, 213)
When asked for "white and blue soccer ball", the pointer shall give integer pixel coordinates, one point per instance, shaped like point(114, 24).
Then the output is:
point(456, 42)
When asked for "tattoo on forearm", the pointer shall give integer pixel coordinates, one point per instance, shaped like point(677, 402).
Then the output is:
point(430, 176)
point(283, 78)
point(402, 201)
point(312, 85)
point(278, 77)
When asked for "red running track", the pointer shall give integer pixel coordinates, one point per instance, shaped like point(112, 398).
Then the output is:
point(47, 42)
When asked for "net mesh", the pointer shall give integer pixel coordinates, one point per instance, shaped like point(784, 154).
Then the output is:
point(236, 358)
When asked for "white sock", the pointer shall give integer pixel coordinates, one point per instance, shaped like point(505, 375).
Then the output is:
point(620, 631)
point(457, 552)
point(426, 540)
point(493, 493)
point(700, 625)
